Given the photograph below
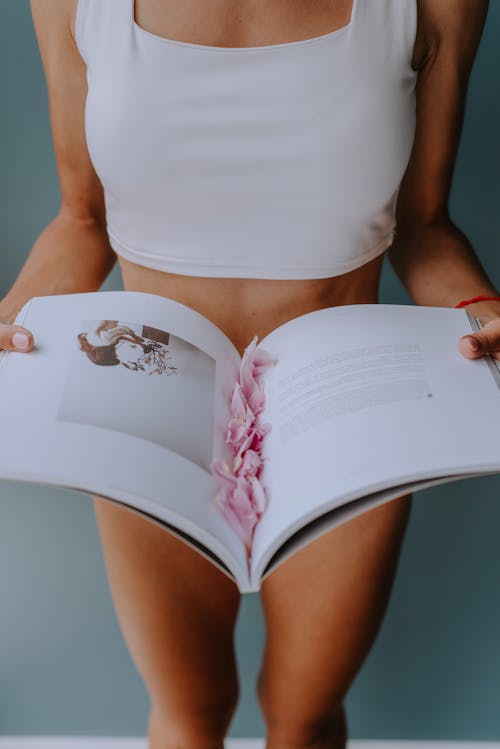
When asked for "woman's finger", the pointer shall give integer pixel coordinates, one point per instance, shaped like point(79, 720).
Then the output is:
point(15, 337)
point(485, 341)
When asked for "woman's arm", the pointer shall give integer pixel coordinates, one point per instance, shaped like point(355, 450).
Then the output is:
point(430, 255)
point(72, 254)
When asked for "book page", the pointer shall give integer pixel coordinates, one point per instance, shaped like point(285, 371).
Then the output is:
point(280, 551)
point(365, 397)
point(125, 395)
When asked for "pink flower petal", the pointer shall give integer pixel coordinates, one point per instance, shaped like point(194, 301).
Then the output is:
point(245, 445)
point(223, 472)
point(236, 432)
point(253, 441)
point(247, 379)
point(242, 417)
point(238, 508)
point(242, 497)
point(262, 361)
point(223, 501)
point(264, 428)
point(258, 435)
point(259, 498)
point(239, 405)
point(250, 464)
point(257, 399)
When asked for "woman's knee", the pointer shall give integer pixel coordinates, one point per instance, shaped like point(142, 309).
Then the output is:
point(195, 726)
point(288, 726)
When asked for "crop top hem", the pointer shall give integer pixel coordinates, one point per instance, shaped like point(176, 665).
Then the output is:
point(223, 270)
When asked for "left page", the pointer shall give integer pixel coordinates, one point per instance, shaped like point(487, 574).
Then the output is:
point(126, 396)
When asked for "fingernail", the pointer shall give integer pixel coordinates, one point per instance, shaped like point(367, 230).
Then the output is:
point(473, 342)
point(20, 340)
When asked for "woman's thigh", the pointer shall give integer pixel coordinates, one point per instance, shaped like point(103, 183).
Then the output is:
point(177, 612)
point(323, 607)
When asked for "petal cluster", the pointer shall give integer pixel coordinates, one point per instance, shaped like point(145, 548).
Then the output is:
point(242, 497)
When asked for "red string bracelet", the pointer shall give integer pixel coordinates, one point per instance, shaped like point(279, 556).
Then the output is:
point(480, 298)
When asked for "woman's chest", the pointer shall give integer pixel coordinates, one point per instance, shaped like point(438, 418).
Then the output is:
point(300, 126)
point(241, 23)
point(269, 149)
point(164, 110)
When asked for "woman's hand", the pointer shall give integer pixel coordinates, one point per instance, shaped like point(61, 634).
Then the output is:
point(15, 337)
point(485, 341)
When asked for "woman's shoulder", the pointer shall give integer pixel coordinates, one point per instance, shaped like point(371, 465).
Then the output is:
point(456, 24)
point(54, 22)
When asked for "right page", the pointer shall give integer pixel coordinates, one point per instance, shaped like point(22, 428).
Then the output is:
point(368, 397)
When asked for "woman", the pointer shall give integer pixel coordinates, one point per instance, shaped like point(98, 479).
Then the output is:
point(112, 343)
point(252, 160)
point(102, 344)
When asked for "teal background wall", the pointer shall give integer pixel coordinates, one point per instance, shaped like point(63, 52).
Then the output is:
point(434, 671)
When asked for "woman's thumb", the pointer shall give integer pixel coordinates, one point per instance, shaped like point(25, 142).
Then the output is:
point(14, 337)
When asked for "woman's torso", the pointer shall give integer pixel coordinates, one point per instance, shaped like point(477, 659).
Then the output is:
point(243, 307)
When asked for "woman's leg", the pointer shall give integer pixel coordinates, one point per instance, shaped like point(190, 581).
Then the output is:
point(323, 609)
point(177, 612)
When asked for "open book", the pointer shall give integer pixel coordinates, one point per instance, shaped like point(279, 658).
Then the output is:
point(126, 395)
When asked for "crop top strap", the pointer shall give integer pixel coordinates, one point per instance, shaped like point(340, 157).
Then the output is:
point(392, 23)
point(102, 26)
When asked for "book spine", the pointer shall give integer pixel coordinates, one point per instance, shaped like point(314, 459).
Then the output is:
point(242, 497)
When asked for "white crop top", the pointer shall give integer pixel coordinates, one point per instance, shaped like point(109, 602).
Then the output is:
point(279, 161)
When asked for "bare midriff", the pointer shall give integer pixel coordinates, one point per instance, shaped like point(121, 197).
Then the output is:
point(243, 307)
